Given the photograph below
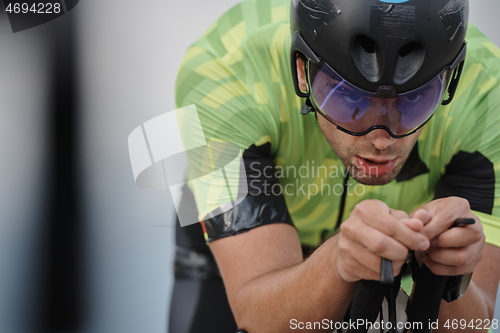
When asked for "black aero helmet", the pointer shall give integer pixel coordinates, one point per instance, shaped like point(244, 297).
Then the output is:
point(380, 48)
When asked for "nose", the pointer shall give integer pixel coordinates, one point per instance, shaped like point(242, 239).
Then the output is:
point(386, 113)
point(380, 139)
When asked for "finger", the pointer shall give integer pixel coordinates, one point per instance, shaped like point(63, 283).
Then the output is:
point(366, 258)
point(377, 215)
point(399, 231)
point(362, 255)
point(459, 237)
point(450, 209)
point(463, 258)
point(374, 240)
point(423, 215)
point(442, 268)
point(351, 270)
point(369, 259)
point(414, 224)
point(398, 214)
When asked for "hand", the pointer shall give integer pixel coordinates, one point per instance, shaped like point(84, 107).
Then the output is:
point(452, 251)
point(372, 231)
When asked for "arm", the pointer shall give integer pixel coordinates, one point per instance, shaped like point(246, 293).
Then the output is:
point(268, 284)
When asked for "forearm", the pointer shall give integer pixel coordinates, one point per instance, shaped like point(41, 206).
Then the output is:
point(307, 292)
point(474, 308)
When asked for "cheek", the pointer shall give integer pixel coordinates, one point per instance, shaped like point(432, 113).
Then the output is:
point(329, 130)
point(410, 141)
point(324, 125)
point(342, 143)
point(405, 147)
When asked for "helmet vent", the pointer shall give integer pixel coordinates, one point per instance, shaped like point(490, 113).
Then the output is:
point(410, 58)
point(367, 57)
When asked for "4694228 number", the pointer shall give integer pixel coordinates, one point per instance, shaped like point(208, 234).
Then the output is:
point(478, 324)
point(35, 8)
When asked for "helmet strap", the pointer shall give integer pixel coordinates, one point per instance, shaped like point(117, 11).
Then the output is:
point(454, 83)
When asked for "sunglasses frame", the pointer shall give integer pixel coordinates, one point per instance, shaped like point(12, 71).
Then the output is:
point(299, 45)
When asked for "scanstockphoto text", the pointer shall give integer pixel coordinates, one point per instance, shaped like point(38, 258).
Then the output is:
point(327, 324)
point(262, 180)
point(460, 324)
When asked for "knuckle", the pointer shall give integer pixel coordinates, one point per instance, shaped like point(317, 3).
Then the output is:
point(347, 228)
point(462, 202)
point(477, 235)
point(361, 208)
point(378, 245)
point(461, 258)
point(399, 213)
point(442, 241)
point(343, 246)
point(387, 227)
point(465, 203)
point(368, 206)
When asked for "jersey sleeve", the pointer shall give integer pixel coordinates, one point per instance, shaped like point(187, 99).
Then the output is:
point(230, 75)
point(262, 206)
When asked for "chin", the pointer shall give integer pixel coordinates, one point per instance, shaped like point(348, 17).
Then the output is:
point(374, 181)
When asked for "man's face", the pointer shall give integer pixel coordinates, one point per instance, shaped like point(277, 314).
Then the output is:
point(373, 159)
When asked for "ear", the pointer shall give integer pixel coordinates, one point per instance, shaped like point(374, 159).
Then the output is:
point(301, 73)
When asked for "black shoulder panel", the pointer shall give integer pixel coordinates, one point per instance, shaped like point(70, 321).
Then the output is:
point(413, 167)
point(252, 212)
point(470, 176)
point(260, 169)
point(260, 207)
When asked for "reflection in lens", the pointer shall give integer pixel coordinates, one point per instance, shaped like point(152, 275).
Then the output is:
point(419, 105)
point(327, 98)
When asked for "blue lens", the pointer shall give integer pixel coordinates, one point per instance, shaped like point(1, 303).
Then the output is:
point(357, 111)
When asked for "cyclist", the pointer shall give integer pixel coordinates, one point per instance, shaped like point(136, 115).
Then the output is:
point(353, 155)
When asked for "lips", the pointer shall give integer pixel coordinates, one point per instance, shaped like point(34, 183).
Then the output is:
point(375, 167)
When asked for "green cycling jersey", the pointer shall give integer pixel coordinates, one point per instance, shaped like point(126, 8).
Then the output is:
point(238, 76)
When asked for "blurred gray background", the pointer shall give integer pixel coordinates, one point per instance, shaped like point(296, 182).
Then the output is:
point(128, 53)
